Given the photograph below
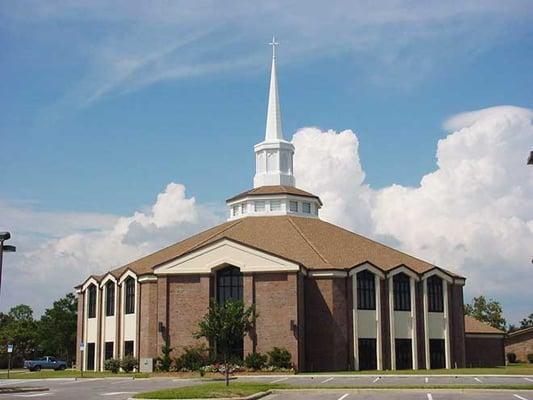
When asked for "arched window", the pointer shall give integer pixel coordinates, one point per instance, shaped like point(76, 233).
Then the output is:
point(402, 292)
point(129, 283)
point(110, 298)
point(229, 284)
point(91, 311)
point(366, 291)
point(435, 294)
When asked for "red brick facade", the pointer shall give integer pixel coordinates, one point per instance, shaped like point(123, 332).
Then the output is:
point(520, 343)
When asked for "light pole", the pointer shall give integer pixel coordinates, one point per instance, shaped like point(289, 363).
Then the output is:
point(4, 247)
point(530, 159)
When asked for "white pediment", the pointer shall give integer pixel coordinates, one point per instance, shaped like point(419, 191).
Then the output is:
point(222, 253)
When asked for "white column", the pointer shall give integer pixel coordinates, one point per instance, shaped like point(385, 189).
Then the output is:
point(354, 318)
point(414, 347)
point(391, 318)
point(426, 323)
point(446, 324)
point(85, 328)
point(379, 347)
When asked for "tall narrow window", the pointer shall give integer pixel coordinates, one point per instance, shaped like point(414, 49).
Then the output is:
point(130, 295)
point(108, 350)
point(435, 294)
point(306, 208)
point(229, 284)
point(92, 301)
point(128, 348)
point(366, 291)
point(110, 298)
point(402, 292)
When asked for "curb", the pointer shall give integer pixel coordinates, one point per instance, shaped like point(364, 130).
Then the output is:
point(383, 376)
point(23, 390)
point(254, 396)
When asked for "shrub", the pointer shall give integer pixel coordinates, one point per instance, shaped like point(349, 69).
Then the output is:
point(511, 357)
point(192, 358)
point(165, 361)
point(112, 364)
point(255, 361)
point(530, 358)
point(279, 358)
point(129, 363)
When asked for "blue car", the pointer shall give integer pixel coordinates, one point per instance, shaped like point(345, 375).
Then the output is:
point(45, 363)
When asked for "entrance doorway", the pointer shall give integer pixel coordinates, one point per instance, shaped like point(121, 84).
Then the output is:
point(367, 354)
point(404, 354)
point(90, 356)
point(437, 354)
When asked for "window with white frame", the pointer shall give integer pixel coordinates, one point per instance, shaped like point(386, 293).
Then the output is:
point(306, 207)
point(293, 206)
point(235, 210)
point(259, 205)
point(275, 205)
point(130, 295)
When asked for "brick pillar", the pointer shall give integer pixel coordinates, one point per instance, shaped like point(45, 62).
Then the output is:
point(80, 329)
point(148, 320)
point(248, 296)
point(421, 342)
point(457, 329)
point(385, 324)
point(162, 311)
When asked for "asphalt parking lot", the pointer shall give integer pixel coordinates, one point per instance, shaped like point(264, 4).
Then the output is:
point(124, 388)
point(394, 380)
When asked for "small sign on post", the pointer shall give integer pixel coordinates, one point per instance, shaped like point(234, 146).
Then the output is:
point(9, 351)
point(82, 347)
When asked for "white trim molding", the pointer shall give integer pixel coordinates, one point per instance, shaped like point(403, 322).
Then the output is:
point(447, 346)
point(439, 273)
point(391, 320)
point(407, 271)
point(147, 278)
point(367, 267)
point(328, 273)
point(426, 323)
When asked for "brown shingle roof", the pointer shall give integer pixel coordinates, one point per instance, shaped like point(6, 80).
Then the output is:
point(267, 190)
point(473, 325)
point(310, 242)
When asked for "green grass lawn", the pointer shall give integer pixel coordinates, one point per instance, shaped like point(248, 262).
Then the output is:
point(69, 373)
point(514, 369)
point(240, 389)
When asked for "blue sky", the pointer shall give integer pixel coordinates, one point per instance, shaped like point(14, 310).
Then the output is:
point(104, 103)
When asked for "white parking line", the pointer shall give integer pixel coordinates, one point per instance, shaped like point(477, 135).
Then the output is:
point(519, 397)
point(10, 382)
point(479, 380)
point(327, 380)
point(529, 379)
point(114, 393)
point(427, 379)
point(33, 394)
point(377, 379)
point(430, 397)
point(343, 396)
point(279, 380)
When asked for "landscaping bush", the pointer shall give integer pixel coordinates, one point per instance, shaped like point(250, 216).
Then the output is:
point(279, 358)
point(530, 358)
point(164, 363)
point(112, 364)
point(511, 357)
point(255, 361)
point(192, 358)
point(129, 363)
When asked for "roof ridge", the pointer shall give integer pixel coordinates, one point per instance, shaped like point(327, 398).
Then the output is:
point(308, 241)
point(231, 225)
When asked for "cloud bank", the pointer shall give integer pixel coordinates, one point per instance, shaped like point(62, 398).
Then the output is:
point(473, 214)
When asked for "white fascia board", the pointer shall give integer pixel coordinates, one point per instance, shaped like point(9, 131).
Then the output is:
point(485, 335)
point(367, 267)
point(406, 271)
point(441, 274)
point(127, 273)
point(459, 281)
point(226, 252)
point(147, 278)
point(90, 281)
point(108, 277)
point(327, 273)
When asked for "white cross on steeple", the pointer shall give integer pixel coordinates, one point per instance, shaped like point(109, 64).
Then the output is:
point(273, 43)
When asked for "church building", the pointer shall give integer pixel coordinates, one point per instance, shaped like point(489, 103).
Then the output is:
point(334, 299)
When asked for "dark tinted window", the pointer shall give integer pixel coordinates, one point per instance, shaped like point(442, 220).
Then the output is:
point(229, 284)
point(402, 292)
point(92, 301)
point(130, 295)
point(108, 350)
point(128, 348)
point(435, 294)
point(367, 354)
point(404, 354)
point(366, 291)
point(110, 298)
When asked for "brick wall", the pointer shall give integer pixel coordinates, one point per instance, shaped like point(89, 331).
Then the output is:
point(484, 351)
point(326, 324)
point(521, 345)
point(148, 320)
point(276, 296)
point(79, 331)
point(457, 330)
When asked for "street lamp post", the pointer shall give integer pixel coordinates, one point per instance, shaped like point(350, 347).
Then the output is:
point(4, 247)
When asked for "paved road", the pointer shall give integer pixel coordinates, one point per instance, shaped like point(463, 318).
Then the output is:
point(402, 395)
point(388, 380)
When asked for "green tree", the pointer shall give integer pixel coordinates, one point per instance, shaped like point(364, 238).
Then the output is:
point(489, 311)
point(18, 327)
point(57, 328)
point(225, 325)
point(527, 322)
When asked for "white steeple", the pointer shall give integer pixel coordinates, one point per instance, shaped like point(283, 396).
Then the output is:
point(274, 156)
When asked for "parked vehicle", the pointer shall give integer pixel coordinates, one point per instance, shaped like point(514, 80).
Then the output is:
point(45, 363)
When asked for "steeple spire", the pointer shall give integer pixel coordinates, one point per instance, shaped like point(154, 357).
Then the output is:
point(273, 125)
